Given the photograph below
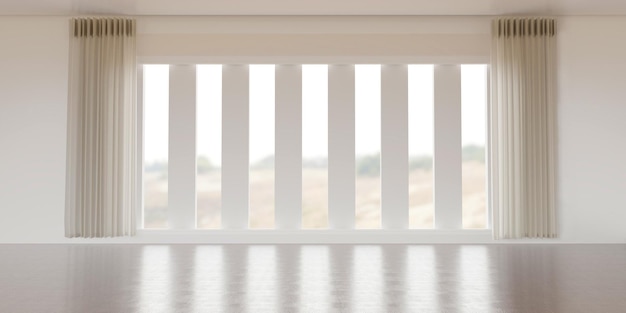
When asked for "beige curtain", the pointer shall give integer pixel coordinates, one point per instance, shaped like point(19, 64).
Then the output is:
point(522, 128)
point(101, 193)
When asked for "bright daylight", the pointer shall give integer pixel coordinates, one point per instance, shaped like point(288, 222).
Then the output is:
point(315, 146)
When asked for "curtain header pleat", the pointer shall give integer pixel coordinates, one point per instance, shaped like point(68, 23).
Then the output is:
point(103, 26)
point(524, 26)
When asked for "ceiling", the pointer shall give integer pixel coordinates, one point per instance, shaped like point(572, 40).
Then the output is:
point(313, 7)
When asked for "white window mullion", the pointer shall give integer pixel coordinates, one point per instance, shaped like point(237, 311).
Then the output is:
point(235, 168)
point(447, 161)
point(341, 166)
point(182, 148)
point(288, 170)
point(394, 154)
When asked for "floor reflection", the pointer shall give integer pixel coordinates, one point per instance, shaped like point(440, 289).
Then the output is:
point(208, 279)
point(421, 279)
point(99, 279)
point(288, 281)
point(312, 278)
point(395, 282)
point(475, 282)
point(235, 259)
point(262, 284)
point(155, 279)
point(367, 280)
point(315, 279)
point(341, 275)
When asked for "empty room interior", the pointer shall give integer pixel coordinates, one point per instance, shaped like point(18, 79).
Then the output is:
point(312, 156)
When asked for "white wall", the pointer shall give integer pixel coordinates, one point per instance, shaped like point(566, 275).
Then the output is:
point(592, 128)
point(33, 95)
point(310, 39)
point(592, 58)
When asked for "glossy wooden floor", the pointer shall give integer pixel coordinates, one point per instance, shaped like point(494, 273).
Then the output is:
point(308, 278)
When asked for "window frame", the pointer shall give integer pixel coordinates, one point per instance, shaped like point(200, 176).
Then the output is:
point(299, 60)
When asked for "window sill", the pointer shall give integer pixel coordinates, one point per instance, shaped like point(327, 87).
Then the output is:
point(322, 236)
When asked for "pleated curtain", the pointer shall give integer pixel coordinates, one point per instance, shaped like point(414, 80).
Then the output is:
point(522, 128)
point(101, 185)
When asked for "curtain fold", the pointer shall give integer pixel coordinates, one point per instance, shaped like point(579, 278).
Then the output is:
point(101, 185)
point(522, 143)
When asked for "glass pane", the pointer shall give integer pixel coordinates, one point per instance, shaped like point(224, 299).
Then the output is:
point(314, 146)
point(367, 145)
point(209, 146)
point(262, 102)
point(421, 146)
point(473, 116)
point(155, 136)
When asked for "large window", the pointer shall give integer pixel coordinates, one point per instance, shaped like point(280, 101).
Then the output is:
point(250, 108)
point(156, 132)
